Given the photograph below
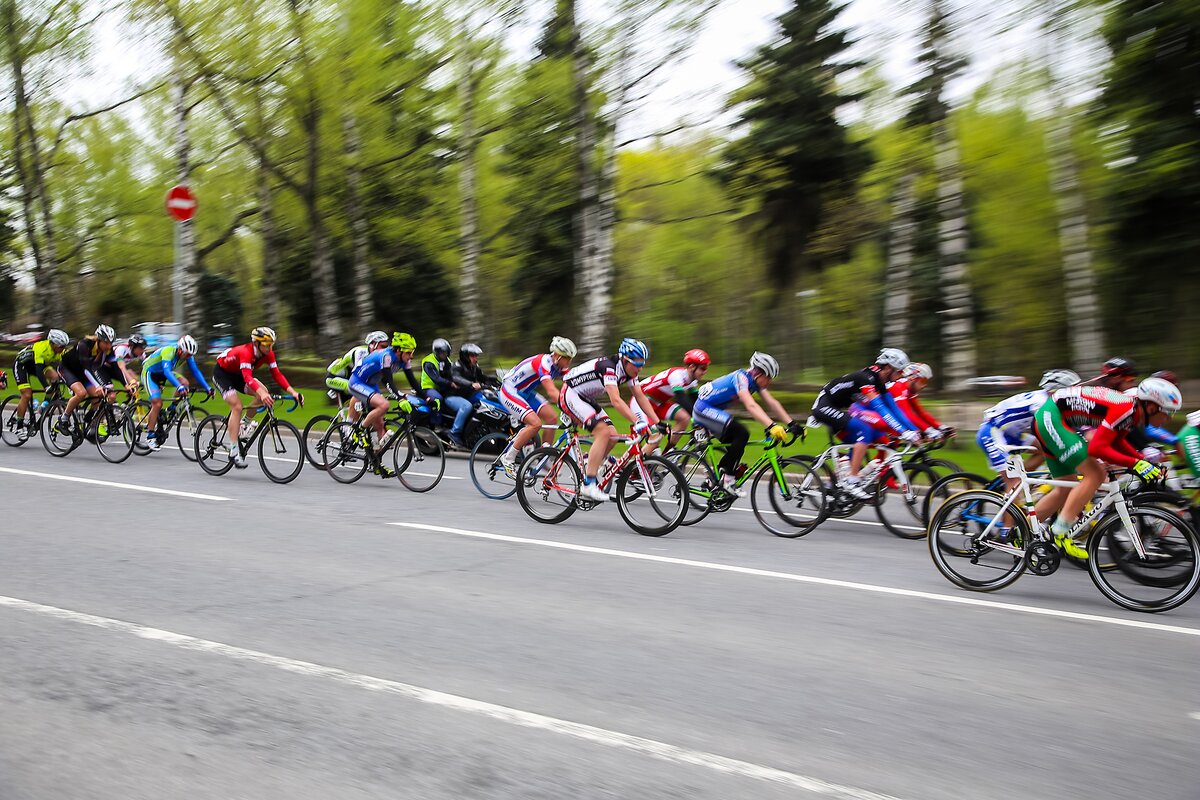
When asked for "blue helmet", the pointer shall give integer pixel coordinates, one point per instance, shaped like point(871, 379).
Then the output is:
point(634, 350)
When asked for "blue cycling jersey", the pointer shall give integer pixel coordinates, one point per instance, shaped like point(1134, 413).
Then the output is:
point(376, 366)
point(725, 389)
point(163, 363)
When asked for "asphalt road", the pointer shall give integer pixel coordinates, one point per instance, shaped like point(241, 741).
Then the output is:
point(237, 639)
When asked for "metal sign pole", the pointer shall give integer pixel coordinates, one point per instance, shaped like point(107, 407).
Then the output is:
point(177, 280)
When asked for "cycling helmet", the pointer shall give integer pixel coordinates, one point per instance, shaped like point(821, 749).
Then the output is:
point(892, 357)
point(917, 369)
point(1167, 375)
point(766, 364)
point(1119, 366)
point(404, 341)
point(696, 356)
point(1193, 419)
point(58, 338)
point(105, 333)
point(563, 347)
point(186, 345)
point(376, 337)
point(1054, 379)
point(441, 348)
point(137, 340)
point(634, 350)
point(263, 336)
point(470, 349)
point(1162, 393)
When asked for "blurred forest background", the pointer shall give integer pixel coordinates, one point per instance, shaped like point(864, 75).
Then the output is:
point(477, 169)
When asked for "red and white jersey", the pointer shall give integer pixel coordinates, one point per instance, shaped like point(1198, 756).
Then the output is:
point(661, 388)
point(242, 359)
point(530, 372)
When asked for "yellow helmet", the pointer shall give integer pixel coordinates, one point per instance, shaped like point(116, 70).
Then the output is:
point(263, 336)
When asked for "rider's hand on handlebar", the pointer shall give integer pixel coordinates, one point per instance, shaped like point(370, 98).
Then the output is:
point(777, 432)
point(933, 434)
point(641, 428)
point(1146, 471)
point(912, 437)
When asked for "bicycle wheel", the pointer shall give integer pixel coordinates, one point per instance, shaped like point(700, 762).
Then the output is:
point(486, 472)
point(548, 486)
point(701, 481)
point(652, 497)
point(961, 554)
point(1164, 578)
point(185, 430)
point(901, 510)
point(281, 451)
point(16, 436)
point(139, 414)
point(794, 506)
point(419, 458)
point(343, 458)
point(56, 443)
point(314, 436)
point(115, 434)
point(209, 444)
point(942, 466)
point(946, 487)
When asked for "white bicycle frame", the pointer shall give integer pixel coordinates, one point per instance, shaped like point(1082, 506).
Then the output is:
point(892, 460)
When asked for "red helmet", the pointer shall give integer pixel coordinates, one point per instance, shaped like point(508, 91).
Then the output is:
point(698, 357)
point(1167, 375)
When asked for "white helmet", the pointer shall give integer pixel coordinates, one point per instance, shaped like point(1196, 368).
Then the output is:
point(186, 345)
point(918, 369)
point(105, 333)
point(58, 338)
point(892, 357)
point(1162, 393)
point(377, 337)
point(1054, 379)
point(766, 364)
point(1193, 419)
point(563, 346)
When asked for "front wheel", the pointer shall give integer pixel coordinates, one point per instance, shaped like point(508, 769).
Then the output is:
point(419, 458)
point(652, 496)
point(789, 499)
point(343, 455)
point(281, 451)
point(58, 444)
point(314, 439)
point(209, 446)
point(185, 430)
point(548, 485)
point(486, 471)
point(701, 482)
point(968, 557)
point(14, 430)
point(115, 434)
point(1164, 578)
point(901, 500)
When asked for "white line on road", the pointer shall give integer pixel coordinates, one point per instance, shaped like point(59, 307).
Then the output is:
point(964, 600)
point(836, 520)
point(1195, 715)
point(513, 716)
point(114, 485)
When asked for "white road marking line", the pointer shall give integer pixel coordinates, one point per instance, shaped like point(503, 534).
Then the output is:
point(513, 716)
point(1195, 715)
point(965, 600)
point(850, 521)
point(114, 485)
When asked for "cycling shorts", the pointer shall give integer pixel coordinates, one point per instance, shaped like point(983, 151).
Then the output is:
point(361, 391)
point(518, 404)
point(846, 426)
point(70, 376)
point(25, 371)
point(1065, 449)
point(581, 410)
point(227, 381)
point(715, 420)
point(666, 410)
point(864, 427)
point(991, 438)
point(340, 385)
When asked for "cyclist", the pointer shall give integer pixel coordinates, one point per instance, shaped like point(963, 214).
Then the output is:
point(1010, 422)
point(234, 374)
point(906, 391)
point(518, 394)
point(436, 382)
point(39, 360)
point(83, 370)
point(469, 382)
point(1111, 414)
point(742, 384)
point(1189, 446)
point(869, 388)
point(127, 353)
point(159, 370)
point(365, 384)
point(406, 346)
point(338, 371)
point(672, 392)
point(601, 378)
point(1148, 437)
point(1118, 373)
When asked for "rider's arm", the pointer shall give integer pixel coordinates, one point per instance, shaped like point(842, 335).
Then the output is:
point(685, 397)
point(551, 389)
point(885, 407)
point(755, 409)
point(199, 375)
point(169, 372)
point(460, 378)
point(643, 402)
point(1161, 435)
point(1108, 445)
point(412, 379)
point(617, 402)
point(911, 407)
point(776, 407)
point(277, 375)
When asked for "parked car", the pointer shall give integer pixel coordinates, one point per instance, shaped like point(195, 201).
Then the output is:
point(988, 385)
point(219, 344)
point(159, 334)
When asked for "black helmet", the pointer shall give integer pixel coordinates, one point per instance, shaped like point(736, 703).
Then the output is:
point(137, 340)
point(1120, 366)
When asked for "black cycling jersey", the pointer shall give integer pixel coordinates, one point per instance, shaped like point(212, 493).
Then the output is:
point(589, 378)
point(842, 392)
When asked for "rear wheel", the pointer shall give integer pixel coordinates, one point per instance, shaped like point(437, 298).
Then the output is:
point(185, 430)
point(946, 487)
point(964, 556)
point(16, 436)
point(210, 446)
point(281, 451)
point(548, 485)
point(486, 471)
point(314, 439)
point(140, 413)
point(652, 497)
point(701, 481)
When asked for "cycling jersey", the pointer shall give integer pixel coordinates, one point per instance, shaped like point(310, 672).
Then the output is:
point(530, 372)
point(342, 367)
point(662, 387)
point(83, 362)
point(865, 387)
point(1189, 445)
point(589, 379)
point(374, 371)
point(241, 359)
point(1109, 412)
point(162, 364)
point(1009, 422)
point(123, 352)
point(33, 361)
point(906, 400)
point(725, 389)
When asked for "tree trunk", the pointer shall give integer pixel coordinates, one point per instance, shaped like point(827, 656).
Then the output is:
point(329, 325)
point(270, 245)
point(364, 309)
point(595, 297)
point(1083, 311)
point(957, 321)
point(189, 280)
point(606, 224)
point(468, 195)
point(899, 267)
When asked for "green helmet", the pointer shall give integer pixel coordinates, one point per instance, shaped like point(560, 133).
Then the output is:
point(404, 341)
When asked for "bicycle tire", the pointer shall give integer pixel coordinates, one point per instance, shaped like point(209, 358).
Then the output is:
point(280, 445)
point(1129, 564)
point(116, 443)
point(8, 416)
point(484, 465)
point(952, 556)
point(904, 519)
point(666, 495)
point(424, 458)
point(141, 412)
point(947, 486)
point(806, 490)
point(58, 444)
point(701, 481)
point(539, 479)
point(313, 431)
point(186, 425)
point(342, 458)
point(209, 445)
